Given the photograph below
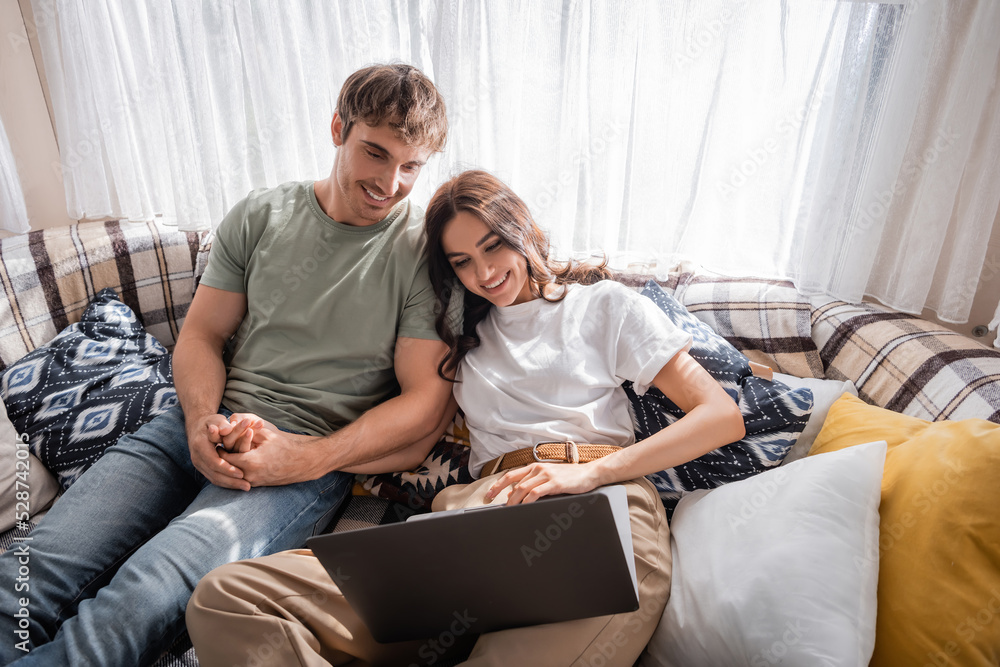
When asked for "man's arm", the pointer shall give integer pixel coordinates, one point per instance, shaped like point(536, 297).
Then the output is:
point(396, 434)
point(200, 378)
point(411, 456)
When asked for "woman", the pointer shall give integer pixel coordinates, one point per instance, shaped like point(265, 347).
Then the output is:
point(541, 355)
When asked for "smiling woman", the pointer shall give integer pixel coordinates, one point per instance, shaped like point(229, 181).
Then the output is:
point(538, 369)
point(533, 335)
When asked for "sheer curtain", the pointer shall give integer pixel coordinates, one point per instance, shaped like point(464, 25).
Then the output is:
point(13, 215)
point(911, 220)
point(847, 145)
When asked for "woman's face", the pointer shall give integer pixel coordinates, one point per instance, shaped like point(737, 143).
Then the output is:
point(484, 263)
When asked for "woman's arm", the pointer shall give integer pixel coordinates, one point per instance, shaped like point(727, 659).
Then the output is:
point(712, 419)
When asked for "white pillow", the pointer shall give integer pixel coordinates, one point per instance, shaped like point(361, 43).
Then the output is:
point(824, 392)
point(40, 484)
point(780, 568)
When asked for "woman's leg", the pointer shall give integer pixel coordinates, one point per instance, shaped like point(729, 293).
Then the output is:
point(283, 610)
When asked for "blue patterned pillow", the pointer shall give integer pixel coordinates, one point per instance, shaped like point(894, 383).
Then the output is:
point(774, 413)
point(99, 379)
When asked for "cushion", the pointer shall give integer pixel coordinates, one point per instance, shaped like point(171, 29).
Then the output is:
point(778, 569)
point(824, 393)
point(49, 276)
point(907, 364)
point(939, 544)
point(773, 413)
point(26, 486)
point(99, 379)
point(767, 320)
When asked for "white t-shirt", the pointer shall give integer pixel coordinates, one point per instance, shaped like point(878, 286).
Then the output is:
point(549, 371)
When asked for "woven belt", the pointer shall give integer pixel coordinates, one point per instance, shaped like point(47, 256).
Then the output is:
point(548, 452)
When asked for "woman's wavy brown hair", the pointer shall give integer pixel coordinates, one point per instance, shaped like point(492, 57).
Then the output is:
point(488, 198)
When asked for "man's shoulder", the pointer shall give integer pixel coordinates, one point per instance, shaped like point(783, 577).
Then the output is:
point(261, 198)
point(248, 222)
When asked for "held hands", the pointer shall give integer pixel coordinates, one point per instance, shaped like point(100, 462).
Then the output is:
point(237, 434)
point(266, 455)
point(204, 438)
point(534, 481)
point(246, 451)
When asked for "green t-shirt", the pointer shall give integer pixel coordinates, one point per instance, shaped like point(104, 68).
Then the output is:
point(325, 303)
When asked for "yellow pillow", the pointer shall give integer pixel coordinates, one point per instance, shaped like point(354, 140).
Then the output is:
point(939, 537)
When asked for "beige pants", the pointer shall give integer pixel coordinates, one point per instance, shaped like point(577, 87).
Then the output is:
point(285, 610)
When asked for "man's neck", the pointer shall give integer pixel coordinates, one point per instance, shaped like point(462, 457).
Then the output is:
point(326, 196)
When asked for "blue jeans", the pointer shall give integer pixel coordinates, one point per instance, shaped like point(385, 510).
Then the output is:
point(112, 565)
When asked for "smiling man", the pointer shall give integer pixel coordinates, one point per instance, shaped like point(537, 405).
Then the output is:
point(314, 324)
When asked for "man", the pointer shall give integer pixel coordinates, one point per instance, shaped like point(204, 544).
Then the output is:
point(315, 303)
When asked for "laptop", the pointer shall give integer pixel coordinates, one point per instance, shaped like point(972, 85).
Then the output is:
point(488, 568)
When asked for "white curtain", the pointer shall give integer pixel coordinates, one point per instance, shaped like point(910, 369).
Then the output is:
point(13, 215)
point(916, 187)
point(753, 137)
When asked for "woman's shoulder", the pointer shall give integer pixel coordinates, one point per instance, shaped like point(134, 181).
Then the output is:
point(608, 290)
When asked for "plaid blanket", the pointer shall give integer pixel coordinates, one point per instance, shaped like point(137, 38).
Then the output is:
point(49, 277)
point(907, 364)
point(766, 320)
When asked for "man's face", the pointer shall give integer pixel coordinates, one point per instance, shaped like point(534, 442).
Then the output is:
point(373, 171)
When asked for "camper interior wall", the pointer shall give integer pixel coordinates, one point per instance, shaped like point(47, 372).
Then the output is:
point(24, 107)
point(984, 304)
point(27, 121)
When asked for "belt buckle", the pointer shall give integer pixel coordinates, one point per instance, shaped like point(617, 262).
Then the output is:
point(572, 455)
point(534, 453)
